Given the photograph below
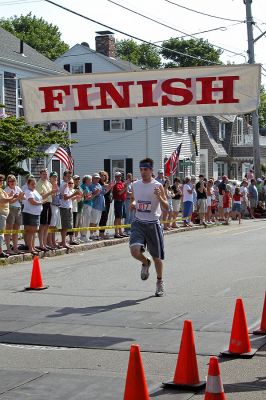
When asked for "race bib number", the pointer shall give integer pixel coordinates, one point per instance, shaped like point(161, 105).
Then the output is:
point(144, 206)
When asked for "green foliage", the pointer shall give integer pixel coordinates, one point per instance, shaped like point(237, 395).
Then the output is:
point(199, 48)
point(19, 141)
point(37, 33)
point(144, 55)
point(262, 108)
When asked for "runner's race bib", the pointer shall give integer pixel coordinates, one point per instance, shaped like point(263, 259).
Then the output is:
point(144, 206)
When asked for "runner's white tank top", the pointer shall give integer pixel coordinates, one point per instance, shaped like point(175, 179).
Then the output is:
point(148, 207)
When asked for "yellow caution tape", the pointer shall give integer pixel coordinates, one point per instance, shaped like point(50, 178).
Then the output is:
point(86, 228)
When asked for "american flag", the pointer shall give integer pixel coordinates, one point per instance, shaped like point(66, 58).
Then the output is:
point(64, 155)
point(171, 163)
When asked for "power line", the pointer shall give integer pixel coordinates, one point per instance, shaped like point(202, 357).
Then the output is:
point(127, 34)
point(162, 23)
point(7, 3)
point(177, 30)
point(202, 13)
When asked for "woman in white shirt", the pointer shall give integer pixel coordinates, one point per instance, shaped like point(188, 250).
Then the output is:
point(187, 201)
point(14, 219)
point(31, 214)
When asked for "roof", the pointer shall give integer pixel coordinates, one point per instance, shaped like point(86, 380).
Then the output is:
point(118, 62)
point(10, 53)
point(225, 118)
point(217, 147)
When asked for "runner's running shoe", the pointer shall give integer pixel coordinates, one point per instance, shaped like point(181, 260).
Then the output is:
point(145, 270)
point(160, 289)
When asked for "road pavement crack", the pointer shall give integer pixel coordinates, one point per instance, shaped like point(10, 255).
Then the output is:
point(24, 383)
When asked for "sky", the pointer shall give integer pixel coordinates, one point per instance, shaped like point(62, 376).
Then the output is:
point(231, 35)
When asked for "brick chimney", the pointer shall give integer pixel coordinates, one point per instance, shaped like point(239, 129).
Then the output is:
point(105, 43)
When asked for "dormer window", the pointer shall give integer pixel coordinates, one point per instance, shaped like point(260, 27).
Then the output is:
point(77, 69)
point(222, 129)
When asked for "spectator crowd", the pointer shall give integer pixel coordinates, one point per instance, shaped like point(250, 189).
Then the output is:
point(85, 203)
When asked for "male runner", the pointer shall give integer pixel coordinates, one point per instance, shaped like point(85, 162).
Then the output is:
point(147, 199)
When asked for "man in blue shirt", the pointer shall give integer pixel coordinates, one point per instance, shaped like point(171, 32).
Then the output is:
point(87, 206)
point(97, 202)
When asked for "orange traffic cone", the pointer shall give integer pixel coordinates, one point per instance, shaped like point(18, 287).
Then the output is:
point(36, 276)
point(239, 345)
point(214, 387)
point(186, 373)
point(262, 329)
point(136, 386)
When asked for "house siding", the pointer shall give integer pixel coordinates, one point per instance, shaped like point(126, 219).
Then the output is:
point(170, 141)
point(95, 145)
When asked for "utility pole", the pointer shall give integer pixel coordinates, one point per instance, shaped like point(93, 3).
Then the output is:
point(255, 115)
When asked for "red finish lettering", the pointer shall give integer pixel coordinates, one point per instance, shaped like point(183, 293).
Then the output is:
point(227, 89)
point(50, 98)
point(122, 101)
point(147, 93)
point(83, 97)
point(176, 91)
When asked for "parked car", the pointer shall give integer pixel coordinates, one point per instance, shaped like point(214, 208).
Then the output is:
point(233, 183)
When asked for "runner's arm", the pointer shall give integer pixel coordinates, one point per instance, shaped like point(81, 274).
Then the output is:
point(132, 205)
point(159, 192)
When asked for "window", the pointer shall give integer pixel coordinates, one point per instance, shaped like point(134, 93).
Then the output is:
point(203, 153)
point(222, 129)
point(173, 124)
point(239, 130)
point(77, 69)
point(19, 100)
point(238, 138)
point(220, 168)
point(117, 125)
point(203, 164)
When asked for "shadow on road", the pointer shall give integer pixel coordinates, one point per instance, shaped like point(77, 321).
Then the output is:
point(61, 340)
point(85, 311)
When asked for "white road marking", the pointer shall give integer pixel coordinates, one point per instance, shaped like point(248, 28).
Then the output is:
point(249, 230)
point(255, 324)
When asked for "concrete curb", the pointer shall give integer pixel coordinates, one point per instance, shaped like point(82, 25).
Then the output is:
point(85, 247)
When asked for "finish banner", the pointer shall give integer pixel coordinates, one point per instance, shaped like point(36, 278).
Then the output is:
point(214, 90)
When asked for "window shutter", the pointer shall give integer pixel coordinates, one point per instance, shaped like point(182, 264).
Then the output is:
point(73, 127)
point(88, 68)
point(106, 125)
point(128, 124)
point(175, 124)
point(165, 124)
point(107, 166)
point(129, 165)
point(67, 67)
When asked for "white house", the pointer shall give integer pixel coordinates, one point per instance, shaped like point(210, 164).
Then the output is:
point(119, 144)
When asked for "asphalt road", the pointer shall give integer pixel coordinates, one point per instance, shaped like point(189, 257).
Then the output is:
point(72, 340)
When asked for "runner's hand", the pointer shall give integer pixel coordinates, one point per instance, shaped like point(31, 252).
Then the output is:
point(157, 192)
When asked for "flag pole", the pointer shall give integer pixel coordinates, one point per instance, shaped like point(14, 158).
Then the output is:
point(171, 170)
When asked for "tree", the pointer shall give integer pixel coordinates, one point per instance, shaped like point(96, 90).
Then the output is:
point(144, 55)
point(37, 33)
point(262, 108)
point(199, 48)
point(19, 141)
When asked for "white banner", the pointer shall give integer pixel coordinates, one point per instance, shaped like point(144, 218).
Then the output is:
point(214, 90)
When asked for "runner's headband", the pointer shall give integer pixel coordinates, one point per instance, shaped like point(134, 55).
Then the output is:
point(145, 165)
